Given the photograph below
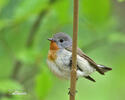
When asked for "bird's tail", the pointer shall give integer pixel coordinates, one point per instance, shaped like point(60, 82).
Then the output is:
point(104, 68)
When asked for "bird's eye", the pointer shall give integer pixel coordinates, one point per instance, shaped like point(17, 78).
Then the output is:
point(61, 40)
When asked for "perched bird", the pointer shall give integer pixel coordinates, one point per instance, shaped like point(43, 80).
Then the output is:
point(60, 59)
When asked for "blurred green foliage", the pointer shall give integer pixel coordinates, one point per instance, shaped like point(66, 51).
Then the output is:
point(25, 26)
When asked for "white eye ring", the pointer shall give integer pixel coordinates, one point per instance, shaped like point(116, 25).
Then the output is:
point(61, 40)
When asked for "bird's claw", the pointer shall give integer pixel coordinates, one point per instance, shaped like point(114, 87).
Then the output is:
point(69, 93)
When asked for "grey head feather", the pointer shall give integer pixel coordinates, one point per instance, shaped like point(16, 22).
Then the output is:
point(63, 40)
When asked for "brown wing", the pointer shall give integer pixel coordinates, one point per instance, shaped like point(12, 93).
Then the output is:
point(80, 53)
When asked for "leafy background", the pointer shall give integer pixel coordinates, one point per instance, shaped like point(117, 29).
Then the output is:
point(25, 26)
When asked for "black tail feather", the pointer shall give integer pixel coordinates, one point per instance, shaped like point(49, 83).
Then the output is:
point(104, 68)
point(89, 78)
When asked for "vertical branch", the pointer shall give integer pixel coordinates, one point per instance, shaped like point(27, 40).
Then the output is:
point(74, 49)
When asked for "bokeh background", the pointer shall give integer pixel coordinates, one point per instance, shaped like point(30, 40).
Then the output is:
point(25, 26)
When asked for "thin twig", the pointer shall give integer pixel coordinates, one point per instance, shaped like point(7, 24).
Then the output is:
point(74, 49)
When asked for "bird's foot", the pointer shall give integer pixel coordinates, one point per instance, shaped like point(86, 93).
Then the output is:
point(70, 93)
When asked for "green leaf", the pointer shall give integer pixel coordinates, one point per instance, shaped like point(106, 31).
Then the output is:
point(28, 8)
point(28, 55)
point(117, 37)
point(3, 3)
point(9, 85)
point(96, 10)
point(121, 0)
point(4, 23)
point(43, 84)
point(13, 98)
point(62, 11)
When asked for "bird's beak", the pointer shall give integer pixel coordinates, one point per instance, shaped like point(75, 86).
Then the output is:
point(50, 39)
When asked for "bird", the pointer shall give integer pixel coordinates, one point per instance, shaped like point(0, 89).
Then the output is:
point(59, 59)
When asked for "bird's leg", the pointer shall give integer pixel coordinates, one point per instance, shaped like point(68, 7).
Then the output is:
point(69, 93)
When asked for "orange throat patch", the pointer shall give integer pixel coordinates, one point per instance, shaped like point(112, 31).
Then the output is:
point(52, 52)
point(53, 46)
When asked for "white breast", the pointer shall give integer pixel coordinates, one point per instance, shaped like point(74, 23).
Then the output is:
point(63, 60)
point(61, 66)
point(54, 68)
